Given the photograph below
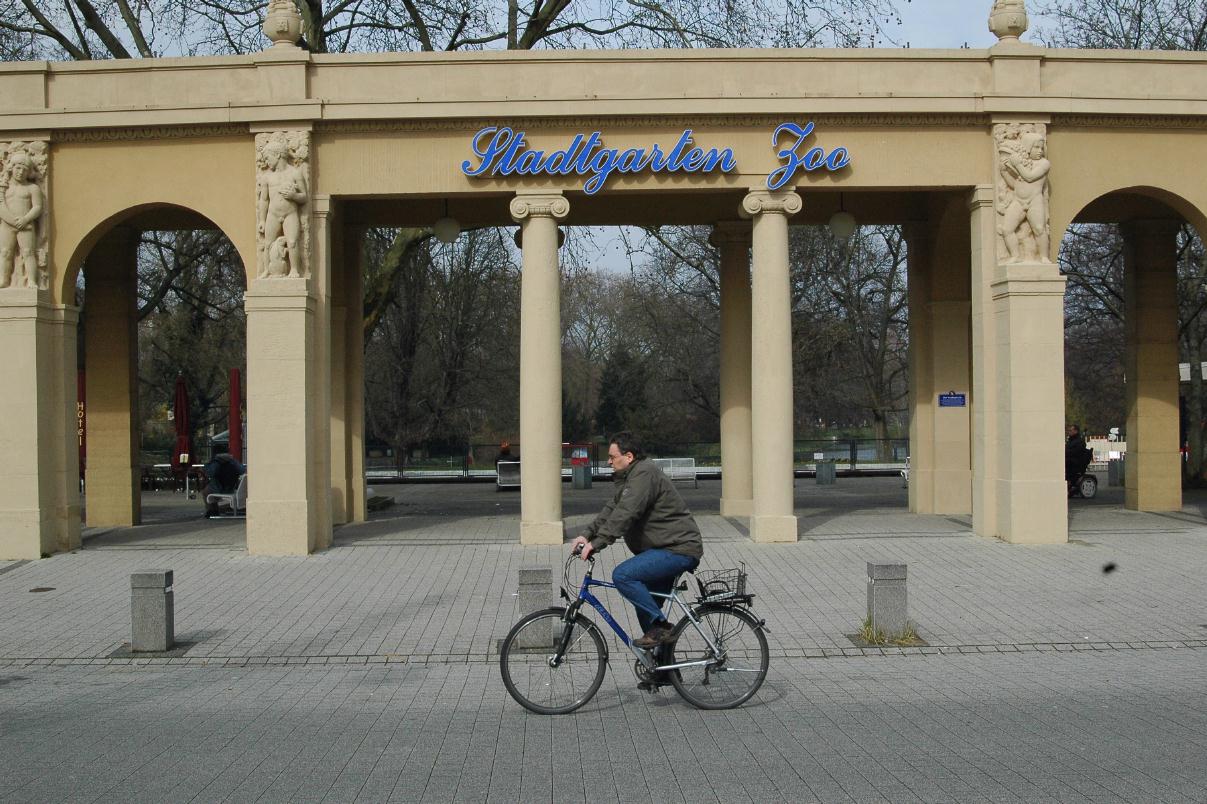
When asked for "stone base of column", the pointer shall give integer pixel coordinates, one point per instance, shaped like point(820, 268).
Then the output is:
point(23, 534)
point(773, 529)
point(278, 527)
point(1153, 482)
point(736, 507)
point(538, 533)
point(1033, 511)
point(952, 491)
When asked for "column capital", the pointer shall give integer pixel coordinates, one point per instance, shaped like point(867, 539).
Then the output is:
point(542, 205)
point(982, 196)
point(762, 202)
point(730, 234)
point(321, 205)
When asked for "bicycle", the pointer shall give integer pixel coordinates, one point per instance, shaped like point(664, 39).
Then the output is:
point(553, 661)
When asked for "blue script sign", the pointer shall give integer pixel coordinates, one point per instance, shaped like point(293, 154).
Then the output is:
point(952, 400)
point(502, 151)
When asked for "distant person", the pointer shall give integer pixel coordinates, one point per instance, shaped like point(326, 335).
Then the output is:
point(648, 513)
point(1077, 456)
point(504, 454)
point(222, 475)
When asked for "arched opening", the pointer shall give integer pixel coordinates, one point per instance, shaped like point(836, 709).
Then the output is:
point(161, 354)
point(1133, 316)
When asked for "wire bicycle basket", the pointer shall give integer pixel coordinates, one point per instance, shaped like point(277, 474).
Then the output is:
point(724, 584)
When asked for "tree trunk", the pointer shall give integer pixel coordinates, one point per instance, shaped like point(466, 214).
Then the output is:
point(1194, 409)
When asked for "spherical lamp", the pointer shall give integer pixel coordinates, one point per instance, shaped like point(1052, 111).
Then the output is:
point(842, 225)
point(446, 229)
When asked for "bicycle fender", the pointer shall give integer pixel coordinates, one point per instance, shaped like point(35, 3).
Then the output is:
point(762, 623)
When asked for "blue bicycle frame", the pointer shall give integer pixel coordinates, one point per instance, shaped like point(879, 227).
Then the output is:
point(643, 656)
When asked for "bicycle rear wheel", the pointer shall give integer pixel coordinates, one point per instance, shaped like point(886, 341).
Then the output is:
point(730, 677)
point(539, 679)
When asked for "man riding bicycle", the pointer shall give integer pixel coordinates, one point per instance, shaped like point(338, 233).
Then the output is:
point(648, 513)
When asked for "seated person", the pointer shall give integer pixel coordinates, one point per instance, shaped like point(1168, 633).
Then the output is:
point(222, 477)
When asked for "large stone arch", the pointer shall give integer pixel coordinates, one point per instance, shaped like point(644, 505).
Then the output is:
point(169, 183)
point(1149, 216)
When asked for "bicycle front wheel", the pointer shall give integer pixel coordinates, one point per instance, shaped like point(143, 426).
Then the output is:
point(552, 667)
point(727, 676)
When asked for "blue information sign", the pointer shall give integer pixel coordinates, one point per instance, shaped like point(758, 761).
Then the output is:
point(952, 400)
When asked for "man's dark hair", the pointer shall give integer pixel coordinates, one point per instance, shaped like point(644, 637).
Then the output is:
point(627, 442)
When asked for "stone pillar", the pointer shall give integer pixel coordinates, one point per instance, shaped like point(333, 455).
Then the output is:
point(1028, 321)
point(288, 353)
point(983, 402)
point(732, 238)
point(112, 475)
point(347, 380)
point(773, 518)
point(320, 379)
point(1032, 498)
point(1153, 481)
point(540, 367)
point(940, 459)
point(39, 494)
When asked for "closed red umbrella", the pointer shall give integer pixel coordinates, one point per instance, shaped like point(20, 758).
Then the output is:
point(180, 411)
point(236, 417)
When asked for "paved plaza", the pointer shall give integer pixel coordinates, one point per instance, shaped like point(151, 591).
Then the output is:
point(368, 672)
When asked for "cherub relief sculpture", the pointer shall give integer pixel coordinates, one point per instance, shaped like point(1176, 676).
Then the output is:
point(282, 197)
point(23, 215)
point(1023, 192)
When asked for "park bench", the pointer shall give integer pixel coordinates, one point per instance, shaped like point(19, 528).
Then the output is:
point(679, 469)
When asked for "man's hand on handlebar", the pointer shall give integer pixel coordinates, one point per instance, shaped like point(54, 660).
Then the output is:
point(581, 547)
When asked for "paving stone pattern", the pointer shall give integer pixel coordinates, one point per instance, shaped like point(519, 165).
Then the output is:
point(1117, 726)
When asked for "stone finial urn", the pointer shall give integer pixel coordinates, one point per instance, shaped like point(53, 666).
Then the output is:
point(1008, 19)
point(283, 23)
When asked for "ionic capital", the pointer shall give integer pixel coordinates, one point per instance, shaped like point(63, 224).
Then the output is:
point(730, 234)
point(525, 206)
point(765, 202)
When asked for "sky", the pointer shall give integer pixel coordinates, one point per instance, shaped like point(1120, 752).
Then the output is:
point(948, 23)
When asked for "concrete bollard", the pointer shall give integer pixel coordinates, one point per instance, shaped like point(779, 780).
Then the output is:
point(888, 604)
point(152, 613)
point(536, 593)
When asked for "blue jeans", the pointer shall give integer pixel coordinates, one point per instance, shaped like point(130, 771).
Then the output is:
point(650, 571)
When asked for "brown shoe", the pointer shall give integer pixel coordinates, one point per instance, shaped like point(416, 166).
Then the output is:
point(658, 634)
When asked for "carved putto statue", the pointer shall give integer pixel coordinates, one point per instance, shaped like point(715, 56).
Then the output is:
point(282, 198)
point(24, 168)
point(1022, 192)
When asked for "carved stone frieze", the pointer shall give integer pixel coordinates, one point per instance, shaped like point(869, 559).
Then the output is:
point(539, 206)
point(24, 214)
point(761, 202)
point(149, 132)
point(1023, 191)
point(283, 204)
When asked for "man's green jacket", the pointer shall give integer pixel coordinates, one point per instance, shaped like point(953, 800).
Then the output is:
point(646, 512)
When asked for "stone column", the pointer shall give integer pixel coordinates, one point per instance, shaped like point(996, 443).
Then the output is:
point(773, 518)
point(983, 402)
point(288, 390)
point(112, 475)
point(940, 461)
point(732, 238)
point(347, 380)
point(540, 367)
point(39, 493)
point(1153, 478)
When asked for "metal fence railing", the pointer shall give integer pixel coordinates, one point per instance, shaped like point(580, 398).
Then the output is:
point(478, 460)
